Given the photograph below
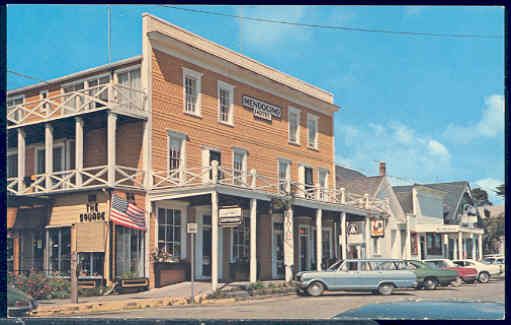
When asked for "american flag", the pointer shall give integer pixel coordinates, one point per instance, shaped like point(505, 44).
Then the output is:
point(127, 214)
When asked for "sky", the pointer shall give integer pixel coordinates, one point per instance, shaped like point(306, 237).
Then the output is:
point(432, 108)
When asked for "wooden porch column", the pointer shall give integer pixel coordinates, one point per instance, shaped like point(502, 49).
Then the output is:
point(21, 159)
point(344, 237)
point(480, 243)
point(79, 149)
point(111, 131)
point(214, 240)
point(48, 153)
point(319, 239)
point(288, 244)
point(460, 245)
point(253, 235)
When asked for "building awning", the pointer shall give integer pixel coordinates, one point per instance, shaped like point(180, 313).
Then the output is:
point(31, 218)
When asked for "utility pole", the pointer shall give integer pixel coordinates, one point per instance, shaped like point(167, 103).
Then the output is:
point(109, 36)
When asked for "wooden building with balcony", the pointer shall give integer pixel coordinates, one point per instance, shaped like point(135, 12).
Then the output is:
point(180, 134)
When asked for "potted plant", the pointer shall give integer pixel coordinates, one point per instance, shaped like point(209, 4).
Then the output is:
point(169, 267)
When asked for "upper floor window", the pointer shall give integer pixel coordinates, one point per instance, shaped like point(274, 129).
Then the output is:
point(44, 99)
point(239, 166)
point(12, 164)
point(225, 102)
point(176, 153)
point(192, 91)
point(312, 127)
point(284, 174)
point(293, 117)
point(58, 159)
point(308, 177)
point(130, 81)
point(12, 104)
point(74, 94)
point(323, 182)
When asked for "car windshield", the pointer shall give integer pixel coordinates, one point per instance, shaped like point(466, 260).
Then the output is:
point(335, 266)
point(434, 265)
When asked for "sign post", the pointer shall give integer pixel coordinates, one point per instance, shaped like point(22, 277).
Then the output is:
point(191, 228)
point(74, 278)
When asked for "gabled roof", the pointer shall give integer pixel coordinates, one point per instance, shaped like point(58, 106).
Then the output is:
point(356, 182)
point(405, 197)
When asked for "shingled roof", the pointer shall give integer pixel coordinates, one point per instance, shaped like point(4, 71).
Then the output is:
point(405, 198)
point(356, 182)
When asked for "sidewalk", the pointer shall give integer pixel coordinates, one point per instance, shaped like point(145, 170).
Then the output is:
point(177, 294)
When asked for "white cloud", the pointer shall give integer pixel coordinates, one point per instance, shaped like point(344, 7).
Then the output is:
point(438, 149)
point(263, 36)
point(413, 10)
point(408, 155)
point(490, 124)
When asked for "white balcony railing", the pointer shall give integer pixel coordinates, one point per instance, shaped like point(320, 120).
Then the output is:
point(193, 177)
point(108, 96)
point(76, 179)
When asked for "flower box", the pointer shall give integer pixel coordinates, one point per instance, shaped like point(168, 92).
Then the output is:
point(170, 273)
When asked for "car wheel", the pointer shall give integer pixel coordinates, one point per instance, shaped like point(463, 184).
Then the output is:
point(385, 289)
point(315, 289)
point(458, 282)
point(430, 283)
point(484, 277)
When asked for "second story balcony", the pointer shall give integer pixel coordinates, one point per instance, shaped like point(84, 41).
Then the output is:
point(118, 98)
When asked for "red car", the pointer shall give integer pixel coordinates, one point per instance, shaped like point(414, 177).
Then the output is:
point(467, 274)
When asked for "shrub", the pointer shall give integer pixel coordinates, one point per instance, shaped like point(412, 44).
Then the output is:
point(39, 286)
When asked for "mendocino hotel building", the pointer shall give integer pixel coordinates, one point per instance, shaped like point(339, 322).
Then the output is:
point(118, 163)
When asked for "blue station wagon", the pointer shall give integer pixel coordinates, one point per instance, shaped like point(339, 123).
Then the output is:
point(374, 275)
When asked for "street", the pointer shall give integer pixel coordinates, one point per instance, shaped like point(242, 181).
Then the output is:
point(325, 307)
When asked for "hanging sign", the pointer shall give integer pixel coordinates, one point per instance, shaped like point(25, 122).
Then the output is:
point(377, 228)
point(229, 216)
point(260, 108)
point(353, 228)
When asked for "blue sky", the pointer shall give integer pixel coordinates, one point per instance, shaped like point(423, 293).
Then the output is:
point(432, 108)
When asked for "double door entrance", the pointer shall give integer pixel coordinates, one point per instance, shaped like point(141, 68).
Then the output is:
point(203, 247)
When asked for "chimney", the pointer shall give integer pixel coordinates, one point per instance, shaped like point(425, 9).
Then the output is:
point(383, 168)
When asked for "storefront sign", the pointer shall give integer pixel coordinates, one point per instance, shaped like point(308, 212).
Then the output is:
point(93, 213)
point(229, 216)
point(377, 228)
point(261, 109)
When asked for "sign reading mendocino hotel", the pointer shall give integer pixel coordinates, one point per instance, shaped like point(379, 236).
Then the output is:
point(261, 109)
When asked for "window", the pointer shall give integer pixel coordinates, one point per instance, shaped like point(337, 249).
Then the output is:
point(45, 105)
point(169, 231)
point(239, 166)
point(323, 183)
point(327, 243)
point(12, 165)
point(293, 117)
point(192, 90)
point(309, 179)
point(75, 100)
point(176, 154)
point(59, 252)
point(12, 104)
point(58, 159)
point(434, 244)
point(376, 246)
point(130, 80)
point(350, 266)
point(96, 89)
point(129, 252)
point(241, 239)
point(312, 127)
point(284, 175)
point(225, 102)
point(91, 264)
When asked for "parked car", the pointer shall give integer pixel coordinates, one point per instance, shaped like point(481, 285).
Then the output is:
point(421, 310)
point(497, 260)
point(374, 275)
point(484, 271)
point(18, 302)
point(429, 277)
point(467, 274)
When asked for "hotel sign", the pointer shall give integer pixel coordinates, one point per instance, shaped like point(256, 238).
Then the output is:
point(229, 216)
point(261, 109)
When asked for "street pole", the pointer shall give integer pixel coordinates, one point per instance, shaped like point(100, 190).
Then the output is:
point(74, 278)
point(192, 265)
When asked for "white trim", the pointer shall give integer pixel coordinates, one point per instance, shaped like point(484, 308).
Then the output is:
point(183, 208)
point(244, 162)
point(128, 69)
point(15, 97)
point(198, 78)
point(183, 138)
point(315, 119)
point(230, 88)
point(287, 162)
point(296, 111)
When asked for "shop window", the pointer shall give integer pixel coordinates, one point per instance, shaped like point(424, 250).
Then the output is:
point(241, 239)
point(293, 117)
point(284, 175)
point(225, 102)
point(59, 253)
point(434, 244)
point(239, 164)
point(169, 231)
point(327, 244)
point(129, 252)
point(312, 127)
point(192, 90)
point(91, 264)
